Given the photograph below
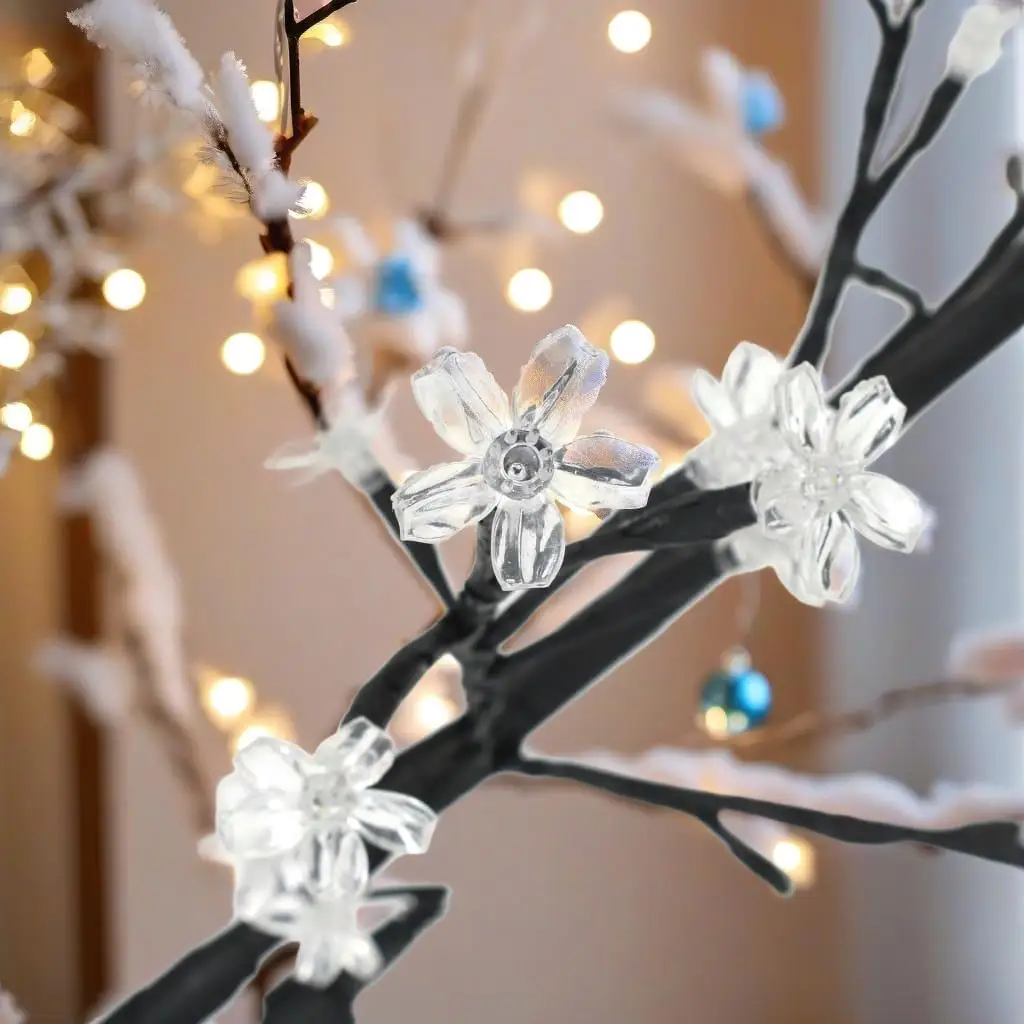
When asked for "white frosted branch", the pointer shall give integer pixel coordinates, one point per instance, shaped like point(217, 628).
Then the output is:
point(107, 488)
point(865, 795)
point(99, 677)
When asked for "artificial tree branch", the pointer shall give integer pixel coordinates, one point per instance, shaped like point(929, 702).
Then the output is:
point(882, 281)
point(291, 1002)
point(870, 188)
point(813, 726)
point(999, 842)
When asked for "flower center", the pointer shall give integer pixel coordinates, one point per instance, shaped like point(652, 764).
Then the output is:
point(327, 796)
point(519, 464)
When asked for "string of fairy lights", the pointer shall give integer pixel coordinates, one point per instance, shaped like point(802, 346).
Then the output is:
point(229, 702)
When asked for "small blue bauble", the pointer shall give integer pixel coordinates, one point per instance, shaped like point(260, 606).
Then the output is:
point(762, 106)
point(735, 699)
point(396, 292)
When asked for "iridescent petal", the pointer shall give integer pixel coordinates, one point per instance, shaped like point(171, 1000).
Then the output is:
point(435, 503)
point(273, 764)
point(828, 556)
point(559, 384)
point(869, 421)
point(463, 402)
point(804, 418)
point(601, 471)
point(393, 821)
point(527, 544)
point(750, 376)
point(713, 400)
point(360, 751)
point(886, 512)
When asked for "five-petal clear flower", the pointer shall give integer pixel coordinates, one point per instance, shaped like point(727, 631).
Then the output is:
point(520, 456)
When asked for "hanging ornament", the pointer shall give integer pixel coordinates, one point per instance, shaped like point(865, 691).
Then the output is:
point(734, 699)
point(761, 105)
point(737, 697)
point(396, 291)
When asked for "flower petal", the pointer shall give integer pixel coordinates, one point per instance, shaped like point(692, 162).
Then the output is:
point(886, 512)
point(362, 958)
point(360, 751)
point(273, 764)
point(527, 544)
point(393, 821)
point(463, 402)
point(435, 503)
point(559, 384)
point(257, 824)
point(601, 471)
point(321, 958)
point(336, 863)
point(780, 503)
point(263, 897)
point(804, 418)
point(713, 400)
point(869, 421)
point(829, 559)
point(305, 457)
point(750, 376)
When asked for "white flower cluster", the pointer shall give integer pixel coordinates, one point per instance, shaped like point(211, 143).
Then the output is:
point(520, 456)
point(978, 42)
point(808, 463)
point(238, 142)
point(295, 827)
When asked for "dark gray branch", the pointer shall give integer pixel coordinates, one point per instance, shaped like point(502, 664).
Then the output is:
point(881, 281)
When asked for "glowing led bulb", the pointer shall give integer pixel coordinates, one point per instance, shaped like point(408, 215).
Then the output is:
point(15, 349)
point(37, 68)
point(243, 353)
point(16, 416)
point(331, 32)
point(529, 290)
point(23, 120)
point(36, 441)
point(632, 342)
point(716, 723)
point(266, 98)
point(629, 31)
point(15, 298)
point(321, 259)
point(581, 212)
point(314, 201)
point(124, 289)
point(226, 699)
point(433, 711)
point(795, 857)
point(268, 721)
point(329, 297)
point(263, 280)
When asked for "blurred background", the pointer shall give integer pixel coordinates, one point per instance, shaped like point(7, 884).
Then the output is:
point(566, 907)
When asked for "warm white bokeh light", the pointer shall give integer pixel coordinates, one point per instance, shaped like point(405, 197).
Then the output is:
point(263, 280)
point(15, 299)
point(16, 416)
point(433, 711)
point(268, 721)
point(328, 297)
point(243, 353)
point(716, 722)
point(266, 98)
point(124, 289)
point(23, 120)
point(36, 441)
point(629, 31)
point(529, 290)
point(581, 212)
point(15, 349)
point(321, 259)
point(632, 342)
point(37, 68)
point(332, 32)
point(314, 202)
point(226, 699)
point(795, 857)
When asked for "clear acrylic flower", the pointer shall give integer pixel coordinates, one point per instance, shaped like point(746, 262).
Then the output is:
point(280, 799)
point(319, 910)
point(347, 445)
point(520, 456)
point(740, 409)
point(821, 496)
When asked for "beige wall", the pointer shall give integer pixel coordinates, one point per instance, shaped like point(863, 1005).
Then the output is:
point(566, 908)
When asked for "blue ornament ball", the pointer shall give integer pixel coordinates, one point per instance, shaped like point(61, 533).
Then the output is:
point(762, 105)
point(396, 291)
point(735, 699)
